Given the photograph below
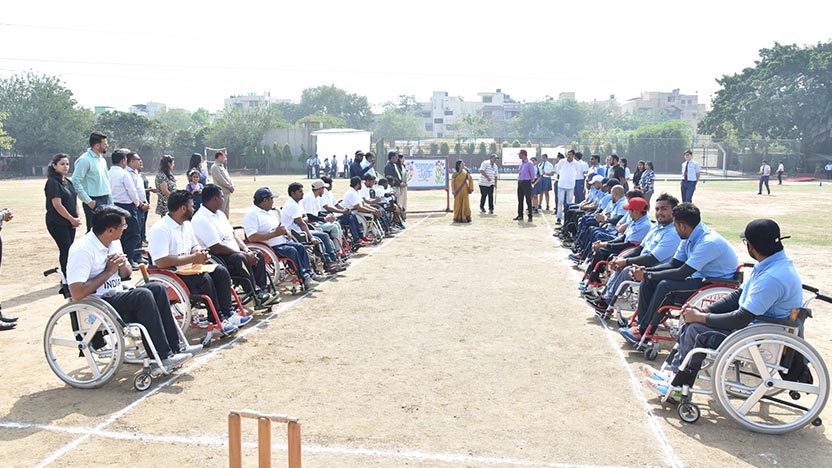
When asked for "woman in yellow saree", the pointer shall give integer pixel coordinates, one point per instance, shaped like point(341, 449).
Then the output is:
point(462, 186)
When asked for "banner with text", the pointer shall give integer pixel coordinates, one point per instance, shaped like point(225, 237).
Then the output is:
point(511, 155)
point(429, 173)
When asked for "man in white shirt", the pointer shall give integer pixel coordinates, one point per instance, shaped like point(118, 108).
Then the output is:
point(172, 244)
point(580, 179)
point(134, 166)
point(780, 170)
point(345, 216)
point(691, 170)
point(213, 230)
point(355, 203)
point(488, 183)
point(294, 218)
point(765, 175)
point(371, 198)
point(126, 196)
point(316, 214)
point(262, 224)
point(96, 266)
point(368, 165)
point(568, 171)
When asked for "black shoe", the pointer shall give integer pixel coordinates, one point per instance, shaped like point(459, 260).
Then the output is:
point(7, 325)
point(530, 219)
point(7, 319)
point(558, 222)
point(482, 210)
point(517, 218)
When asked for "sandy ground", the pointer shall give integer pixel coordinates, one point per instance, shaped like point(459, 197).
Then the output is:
point(449, 346)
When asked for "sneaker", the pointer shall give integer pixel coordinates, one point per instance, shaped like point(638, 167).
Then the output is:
point(190, 349)
point(310, 283)
point(632, 335)
point(491, 212)
point(529, 220)
point(237, 320)
point(175, 360)
point(517, 218)
point(575, 257)
point(655, 374)
point(134, 266)
point(482, 210)
point(267, 299)
point(662, 388)
point(317, 278)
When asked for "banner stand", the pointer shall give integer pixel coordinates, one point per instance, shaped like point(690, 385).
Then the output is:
point(429, 173)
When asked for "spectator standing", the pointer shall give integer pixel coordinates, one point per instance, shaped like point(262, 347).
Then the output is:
point(148, 190)
point(197, 163)
point(780, 171)
point(369, 164)
point(547, 170)
point(345, 168)
point(690, 176)
point(317, 166)
point(6, 322)
point(580, 179)
point(355, 167)
point(568, 172)
point(637, 174)
point(405, 171)
point(61, 207)
point(488, 183)
point(647, 180)
point(393, 174)
point(463, 186)
point(525, 176)
point(765, 175)
point(195, 187)
point(309, 164)
point(219, 174)
point(165, 183)
point(623, 163)
point(126, 196)
point(134, 167)
point(828, 168)
point(90, 177)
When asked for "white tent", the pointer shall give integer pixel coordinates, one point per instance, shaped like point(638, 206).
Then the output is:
point(341, 141)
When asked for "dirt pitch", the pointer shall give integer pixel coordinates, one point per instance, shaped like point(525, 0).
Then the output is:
point(449, 346)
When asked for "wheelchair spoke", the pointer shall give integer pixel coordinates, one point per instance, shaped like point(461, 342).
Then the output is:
point(753, 399)
point(797, 386)
point(96, 372)
point(760, 363)
point(64, 342)
point(90, 334)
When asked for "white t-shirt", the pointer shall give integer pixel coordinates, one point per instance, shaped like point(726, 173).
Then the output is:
point(311, 203)
point(365, 192)
point(291, 211)
point(260, 221)
point(583, 170)
point(167, 237)
point(213, 228)
point(351, 198)
point(327, 199)
point(567, 173)
point(87, 259)
point(547, 169)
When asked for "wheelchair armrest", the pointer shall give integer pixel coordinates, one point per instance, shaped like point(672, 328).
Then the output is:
point(795, 320)
point(731, 282)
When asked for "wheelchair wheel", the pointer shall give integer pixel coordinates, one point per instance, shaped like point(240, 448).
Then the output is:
point(84, 343)
point(142, 381)
point(708, 295)
point(180, 303)
point(750, 371)
point(272, 263)
point(688, 412)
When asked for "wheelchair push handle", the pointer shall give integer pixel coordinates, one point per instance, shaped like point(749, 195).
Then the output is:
point(55, 270)
point(817, 293)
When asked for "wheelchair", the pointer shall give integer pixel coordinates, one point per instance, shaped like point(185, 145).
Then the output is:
point(189, 310)
point(86, 342)
point(667, 317)
point(751, 370)
point(280, 270)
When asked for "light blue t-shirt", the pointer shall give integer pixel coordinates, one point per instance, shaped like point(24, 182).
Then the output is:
point(637, 230)
point(606, 202)
point(618, 208)
point(661, 242)
point(773, 289)
point(708, 253)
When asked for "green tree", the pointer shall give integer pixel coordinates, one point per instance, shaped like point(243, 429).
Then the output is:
point(559, 120)
point(434, 149)
point(471, 148)
point(183, 142)
point(42, 116)
point(444, 149)
point(492, 148)
point(476, 125)
point(240, 129)
point(318, 121)
point(516, 144)
point(482, 149)
point(303, 156)
point(6, 141)
point(393, 125)
point(406, 105)
point(137, 132)
point(329, 100)
point(201, 117)
point(176, 119)
point(787, 94)
point(287, 152)
point(661, 143)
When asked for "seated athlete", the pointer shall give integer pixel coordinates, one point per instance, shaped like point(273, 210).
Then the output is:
point(345, 216)
point(702, 254)
point(389, 201)
point(95, 267)
point(214, 231)
point(321, 219)
point(262, 224)
point(658, 246)
point(294, 218)
point(355, 203)
point(371, 198)
point(772, 290)
point(171, 244)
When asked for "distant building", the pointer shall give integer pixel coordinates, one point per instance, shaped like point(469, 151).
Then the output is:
point(246, 101)
point(442, 115)
point(103, 109)
point(672, 105)
point(151, 109)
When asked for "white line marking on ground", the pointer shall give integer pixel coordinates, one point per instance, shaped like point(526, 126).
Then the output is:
point(221, 441)
point(202, 359)
point(653, 422)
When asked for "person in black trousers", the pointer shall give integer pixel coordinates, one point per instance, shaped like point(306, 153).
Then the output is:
point(525, 176)
point(61, 207)
point(6, 322)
